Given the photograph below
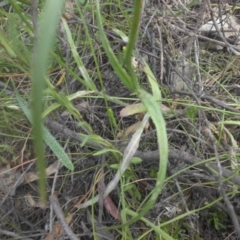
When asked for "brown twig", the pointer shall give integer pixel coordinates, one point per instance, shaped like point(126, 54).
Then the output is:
point(14, 235)
point(174, 154)
point(209, 98)
point(219, 32)
point(148, 156)
point(230, 208)
point(16, 184)
point(191, 34)
point(58, 211)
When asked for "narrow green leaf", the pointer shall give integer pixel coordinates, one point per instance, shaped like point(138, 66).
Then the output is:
point(154, 111)
point(115, 166)
point(136, 160)
point(21, 13)
point(57, 149)
point(153, 81)
point(121, 34)
point(157, 229)
point(111, 118)
point(136, 19)
point(83, 2)
point(17, 45)
point(47, 137)
point(119, 70)
point(5, 44)
point(104, 151)
point(89, 83)
point(43, 43)
point(70, 98)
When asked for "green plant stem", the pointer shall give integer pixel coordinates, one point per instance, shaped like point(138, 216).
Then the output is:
point(157, 229)
point(132, 39)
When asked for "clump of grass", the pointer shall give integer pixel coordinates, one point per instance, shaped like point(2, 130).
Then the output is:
point(65, 61)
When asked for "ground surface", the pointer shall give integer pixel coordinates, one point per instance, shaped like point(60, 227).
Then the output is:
point(199, 85)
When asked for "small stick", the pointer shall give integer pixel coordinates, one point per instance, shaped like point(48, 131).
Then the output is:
point(58, 211)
